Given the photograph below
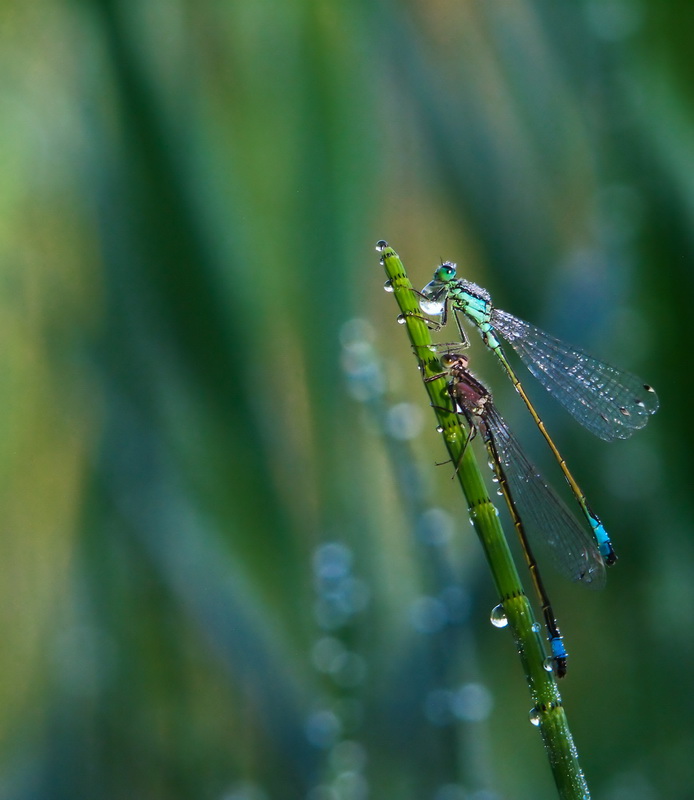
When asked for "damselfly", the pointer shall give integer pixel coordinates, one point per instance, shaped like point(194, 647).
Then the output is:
point(609, 402)
point(538, 513)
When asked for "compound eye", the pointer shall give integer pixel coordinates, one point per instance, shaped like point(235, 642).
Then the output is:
point(446, 271)
point(450, 360)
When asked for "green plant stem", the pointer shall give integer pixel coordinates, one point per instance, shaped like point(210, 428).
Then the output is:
point(547, 704)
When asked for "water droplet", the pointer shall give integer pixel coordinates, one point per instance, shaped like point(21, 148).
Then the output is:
point(356, 333)
point(401, 319)
point(535, 717)
point(404, 421)
point(535, 627)
point(431, 307)
point(472, 702)
point(498, 617)
point(388, 286)
point(495, 479)
point(439, 429)
point(500, 492)
point(322, 728)
point(332, 560)
point(381, 245)
point(435, 527)
point(432, 299)
point(548, 664)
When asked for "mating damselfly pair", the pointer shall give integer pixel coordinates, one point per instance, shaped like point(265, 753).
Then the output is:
point(609, 402)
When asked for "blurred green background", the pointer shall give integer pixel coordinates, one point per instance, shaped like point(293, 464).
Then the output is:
point(230, 567)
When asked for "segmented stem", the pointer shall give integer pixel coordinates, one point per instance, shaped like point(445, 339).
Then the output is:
point(548, 710)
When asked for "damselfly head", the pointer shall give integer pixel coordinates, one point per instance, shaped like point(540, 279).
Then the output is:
point(454, 361)
point(445, 272)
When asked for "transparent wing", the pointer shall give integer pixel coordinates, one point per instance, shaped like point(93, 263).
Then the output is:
point(545, 517)
point(607, 401)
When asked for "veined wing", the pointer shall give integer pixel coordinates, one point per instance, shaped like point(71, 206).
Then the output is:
point(545, 517)
point(607, 401)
